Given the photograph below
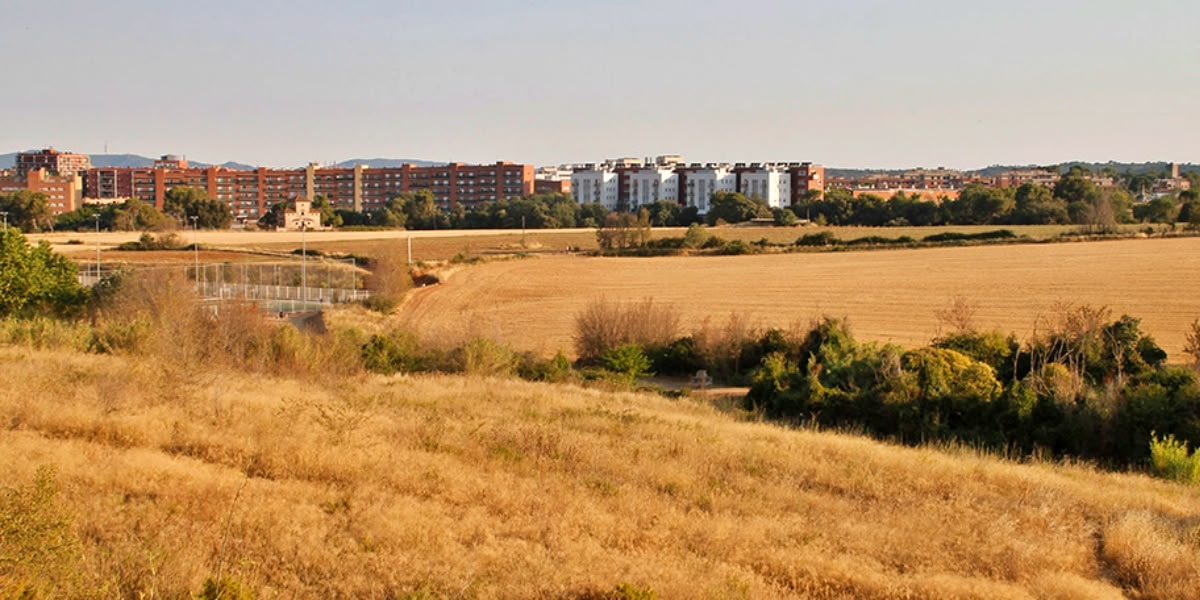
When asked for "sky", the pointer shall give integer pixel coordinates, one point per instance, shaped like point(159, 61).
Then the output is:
point(849, 83)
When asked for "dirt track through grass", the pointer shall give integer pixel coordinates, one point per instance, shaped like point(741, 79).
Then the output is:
point(887, 295)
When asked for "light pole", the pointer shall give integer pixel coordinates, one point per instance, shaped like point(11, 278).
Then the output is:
point(97, 218)
point(195, 253)
point(303, 264)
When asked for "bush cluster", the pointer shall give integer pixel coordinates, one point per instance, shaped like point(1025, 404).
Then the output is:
point(1092, 388)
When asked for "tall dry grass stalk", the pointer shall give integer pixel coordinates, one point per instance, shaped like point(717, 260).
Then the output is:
point(491, 488)
point(605, 324)
point(157, 314)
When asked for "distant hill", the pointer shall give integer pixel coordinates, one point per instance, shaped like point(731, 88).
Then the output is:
point(387, 163)
point(993, 170)
point(7, 161)
point(121, 160)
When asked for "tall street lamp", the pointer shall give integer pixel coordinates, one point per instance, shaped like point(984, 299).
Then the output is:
point(195, 253)
point(97, 217)
point(304, 263)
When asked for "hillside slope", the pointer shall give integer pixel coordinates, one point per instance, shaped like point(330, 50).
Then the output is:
point(467, 487)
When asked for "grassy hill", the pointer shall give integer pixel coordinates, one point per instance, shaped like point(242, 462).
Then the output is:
point(165, 475)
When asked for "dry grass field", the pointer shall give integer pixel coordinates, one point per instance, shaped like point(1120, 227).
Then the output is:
point(889, 295)
point(445, 244)
point(458, 487)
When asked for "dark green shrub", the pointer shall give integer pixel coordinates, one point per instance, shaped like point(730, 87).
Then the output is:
point(954, 236)
point(822, 238)
point(680, 357)
point(736, 247)
point(393, 353)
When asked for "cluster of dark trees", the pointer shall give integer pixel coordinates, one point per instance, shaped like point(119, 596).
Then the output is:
point(1092, 388)
point(420, 210)
point(179, 206)
point(26, 210)
point(1075, 199)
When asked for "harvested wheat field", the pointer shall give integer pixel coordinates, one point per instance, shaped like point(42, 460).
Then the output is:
point(459, 487)
point(888, 295)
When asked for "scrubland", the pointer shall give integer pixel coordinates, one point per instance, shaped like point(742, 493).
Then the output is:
point(350, 485)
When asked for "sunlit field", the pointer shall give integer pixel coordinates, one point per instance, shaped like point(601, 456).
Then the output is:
point(887, 295)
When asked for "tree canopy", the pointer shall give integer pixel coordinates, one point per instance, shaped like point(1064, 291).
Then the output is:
point(187, 202)
point(27, 211)
point(132, 215)
point(34, 279)
point(732, 207)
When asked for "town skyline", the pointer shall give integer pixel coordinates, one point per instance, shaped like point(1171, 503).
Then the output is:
point(867, 84)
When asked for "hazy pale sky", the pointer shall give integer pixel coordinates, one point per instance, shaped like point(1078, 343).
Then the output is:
point(850, 83)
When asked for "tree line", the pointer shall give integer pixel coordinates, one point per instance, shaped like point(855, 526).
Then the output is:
point(1075, 199)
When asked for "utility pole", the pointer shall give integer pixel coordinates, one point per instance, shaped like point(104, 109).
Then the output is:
point(304, 264)
point(195, 253)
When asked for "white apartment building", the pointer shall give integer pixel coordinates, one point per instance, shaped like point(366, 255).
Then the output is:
point(702, 183)
point(647, 186)
point(769, 183)
point(629, 187)
point(596, 185)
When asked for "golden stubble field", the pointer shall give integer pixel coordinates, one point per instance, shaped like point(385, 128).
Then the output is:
point(889, 296)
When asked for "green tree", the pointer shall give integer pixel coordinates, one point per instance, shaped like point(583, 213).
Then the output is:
point(627, 360)
point(592, 214)
point(664, 213)
point(35, 280)
point(136, 215)
point(414, 210)
point(329, 216)
point(732, 207)
point(978, 204)
point(1036, 205)
point(273, 217)
point(183, 203)
point(1158, 210)
point(27, 211)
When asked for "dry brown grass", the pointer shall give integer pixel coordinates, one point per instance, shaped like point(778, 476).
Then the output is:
point(892, 295)
point(485, 488)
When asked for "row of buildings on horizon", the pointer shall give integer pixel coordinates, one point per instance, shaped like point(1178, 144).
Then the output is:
point(69, 180)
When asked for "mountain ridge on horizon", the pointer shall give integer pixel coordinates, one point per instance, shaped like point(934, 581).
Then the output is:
point(138, 161)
